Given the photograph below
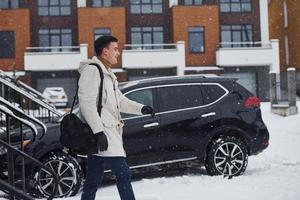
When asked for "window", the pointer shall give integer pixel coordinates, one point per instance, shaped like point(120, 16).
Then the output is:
point(211, 93)
point(285, 14)
point(101, 3)
point(9, 4)
point(54, 7)
point(236, 35)
point(147, 35)
point(7, 44)
point(144, 97)
point(193, 2)
point(145, 6)
point(286, 48)
point(55, 38)
point(196, 39)
point(179, 97)
point(235, 6)
point(101, 31)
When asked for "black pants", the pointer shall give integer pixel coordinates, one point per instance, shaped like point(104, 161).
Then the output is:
point(94, 176)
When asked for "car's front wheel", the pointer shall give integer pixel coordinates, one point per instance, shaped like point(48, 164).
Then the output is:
point(68, 171)
point(227, 156)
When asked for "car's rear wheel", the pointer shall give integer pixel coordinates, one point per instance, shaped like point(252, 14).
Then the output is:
point(68, 170)
point(227, 156)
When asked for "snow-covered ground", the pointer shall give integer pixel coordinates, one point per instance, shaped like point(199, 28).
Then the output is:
point(273, 174)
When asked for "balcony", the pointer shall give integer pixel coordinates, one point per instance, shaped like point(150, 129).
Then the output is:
point(249, 54)
point(54, 58)
point(154, 56)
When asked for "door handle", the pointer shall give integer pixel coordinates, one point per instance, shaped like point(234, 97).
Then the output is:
point(151, 124)
point(208, 114)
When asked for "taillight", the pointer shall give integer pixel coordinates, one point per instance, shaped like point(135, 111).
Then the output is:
point(252, 101)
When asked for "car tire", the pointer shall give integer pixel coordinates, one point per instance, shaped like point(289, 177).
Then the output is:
point(226, 156)
point(68, 170)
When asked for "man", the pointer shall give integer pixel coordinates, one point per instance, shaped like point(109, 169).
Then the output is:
point(108, 127)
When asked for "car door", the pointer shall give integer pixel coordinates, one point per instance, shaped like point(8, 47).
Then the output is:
point(183, 119)
point(141, 139)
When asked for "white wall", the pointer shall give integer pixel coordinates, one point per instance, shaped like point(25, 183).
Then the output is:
point(155, 58)
point(54, 61)
point(256, 56)
point(264, 21)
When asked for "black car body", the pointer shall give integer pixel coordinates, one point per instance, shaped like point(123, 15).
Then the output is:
point(213, 120)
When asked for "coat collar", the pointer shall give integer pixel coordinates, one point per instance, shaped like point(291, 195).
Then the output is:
point(105, 71)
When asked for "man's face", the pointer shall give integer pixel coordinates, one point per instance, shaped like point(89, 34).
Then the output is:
point(112, 53)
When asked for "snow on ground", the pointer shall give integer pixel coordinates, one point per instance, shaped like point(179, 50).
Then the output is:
point(274, 174)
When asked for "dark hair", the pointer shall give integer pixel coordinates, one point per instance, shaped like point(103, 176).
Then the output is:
point(103, 42)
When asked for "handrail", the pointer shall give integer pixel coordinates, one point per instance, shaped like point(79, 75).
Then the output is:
point(15, 191)
point(27, 94)
point(33, 119)
point(11, 151)
point(20, 83)
point(11, 114)
point(36, 162)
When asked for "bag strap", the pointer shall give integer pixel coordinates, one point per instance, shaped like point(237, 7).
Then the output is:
point(99, 107)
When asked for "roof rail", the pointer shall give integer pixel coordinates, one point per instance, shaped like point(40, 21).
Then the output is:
point(172, 77)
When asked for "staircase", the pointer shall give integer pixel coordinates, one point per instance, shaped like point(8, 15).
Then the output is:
point(26, 98)
point(13, 123)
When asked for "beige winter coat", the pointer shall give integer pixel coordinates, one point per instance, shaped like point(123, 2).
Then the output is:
point(113, 102)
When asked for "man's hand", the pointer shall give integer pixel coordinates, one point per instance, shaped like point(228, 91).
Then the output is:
point(102, 141)
point(148, 110)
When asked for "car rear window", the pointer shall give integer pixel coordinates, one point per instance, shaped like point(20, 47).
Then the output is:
point(212, 93)
point(179, 97)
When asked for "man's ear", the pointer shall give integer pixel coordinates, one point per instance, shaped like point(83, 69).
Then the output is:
point(104, 51)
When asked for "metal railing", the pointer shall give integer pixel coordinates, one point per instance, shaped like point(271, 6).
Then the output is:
point(244, 44)
point(52, 49)
point(31, 101)
point(20, 113)
point(14, 151)
point(149, 46)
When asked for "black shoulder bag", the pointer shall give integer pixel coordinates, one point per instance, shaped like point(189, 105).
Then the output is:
point(77, 136)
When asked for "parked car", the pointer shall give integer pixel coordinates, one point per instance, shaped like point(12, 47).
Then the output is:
point(56, 95)
point(214, 121)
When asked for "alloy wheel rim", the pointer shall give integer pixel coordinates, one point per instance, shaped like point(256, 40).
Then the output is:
point(229, 159)
point(65, 172)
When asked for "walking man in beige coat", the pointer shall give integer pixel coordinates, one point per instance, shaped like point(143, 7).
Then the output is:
point(109, 126)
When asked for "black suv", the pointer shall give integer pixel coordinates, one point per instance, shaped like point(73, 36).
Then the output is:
point(213, 120)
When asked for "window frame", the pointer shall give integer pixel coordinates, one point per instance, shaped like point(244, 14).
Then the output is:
point(61, 32)
point(48, 7)
point(232, 28)
point(11, 47)
point(240, 4)
point(141, 4)
point(11, 5)
point(193, 3)
point(201, 32)
point(153, 91)
point(101, 28)
point(153, 30)
point(156, 96)
point(102, 5)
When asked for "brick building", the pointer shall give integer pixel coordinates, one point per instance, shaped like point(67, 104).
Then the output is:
point(284, 24)
point(157, 38)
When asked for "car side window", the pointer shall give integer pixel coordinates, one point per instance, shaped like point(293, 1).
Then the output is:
point(211, 93)
point(179, 97)
point(144, 96)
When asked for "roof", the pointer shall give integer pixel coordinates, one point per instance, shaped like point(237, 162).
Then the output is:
point(175, 79)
